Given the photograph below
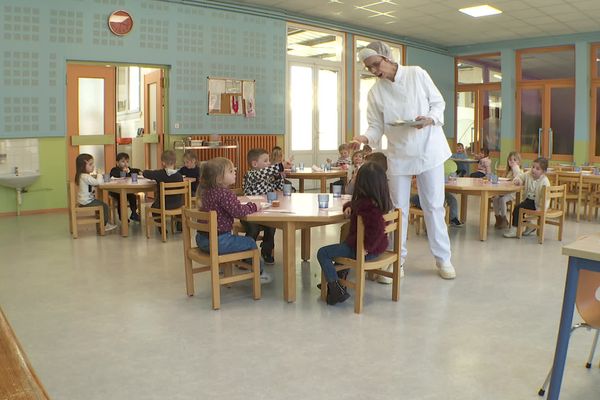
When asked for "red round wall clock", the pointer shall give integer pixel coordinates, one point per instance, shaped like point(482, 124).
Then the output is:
point(120, 22)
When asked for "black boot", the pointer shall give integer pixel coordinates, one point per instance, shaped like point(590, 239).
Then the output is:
point(336, 293)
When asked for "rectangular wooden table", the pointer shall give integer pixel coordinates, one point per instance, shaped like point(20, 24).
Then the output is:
point(298, 211)
point(123, 186)
point(477, 187)
point(323, 176)
point(584, 253)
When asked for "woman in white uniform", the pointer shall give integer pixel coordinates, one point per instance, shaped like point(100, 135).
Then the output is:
point(416, 147)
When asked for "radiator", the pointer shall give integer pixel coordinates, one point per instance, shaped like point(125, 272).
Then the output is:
point(239, 155)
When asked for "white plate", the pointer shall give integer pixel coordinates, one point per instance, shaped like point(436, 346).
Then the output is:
point(402, 122)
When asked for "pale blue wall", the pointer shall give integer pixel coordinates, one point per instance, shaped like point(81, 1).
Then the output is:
point(441, 69)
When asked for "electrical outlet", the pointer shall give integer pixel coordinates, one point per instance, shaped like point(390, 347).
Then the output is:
point(176, 125)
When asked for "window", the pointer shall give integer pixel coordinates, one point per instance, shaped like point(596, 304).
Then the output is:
point(478, 101)
point(364, 80)
point(128, 89)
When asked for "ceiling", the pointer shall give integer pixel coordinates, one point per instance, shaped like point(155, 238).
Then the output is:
point(440, 23)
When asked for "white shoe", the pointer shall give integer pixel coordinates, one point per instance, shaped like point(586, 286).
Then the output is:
point(511, 233)
point(265, 277)
point(109, 227)
point(390, 268)
point(529, 231)
point(446, 269)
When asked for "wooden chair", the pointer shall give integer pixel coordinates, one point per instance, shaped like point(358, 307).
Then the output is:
point(417, 218)
point(83, 215)
point(588, 306)
point(593, 202)
point(360, 266)
point(574, 189)
point(553, 215)
point(166, 190)
point(18, 380)
point(202, 221)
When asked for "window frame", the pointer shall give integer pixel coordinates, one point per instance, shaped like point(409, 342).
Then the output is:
point(594, 86)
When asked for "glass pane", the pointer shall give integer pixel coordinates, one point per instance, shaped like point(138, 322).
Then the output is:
point(152, 108)
point(301, 107)
point(314, 44)
point(134, 88)
point(97, 151)
point(328, 110)
point(465, 119)
point(550, 65)
point(597, 130)
point(91, 106)
point(490, 126)
point(531, 119)
point(562, 120)
point(479, 69)
point(365, 84)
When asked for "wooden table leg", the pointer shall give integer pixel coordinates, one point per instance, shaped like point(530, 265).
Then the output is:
point(124, 218)
point(464, 198)
point(483, 216)
point(323, 185)
point(289, 262)
point(301, 185)
point(305, 244)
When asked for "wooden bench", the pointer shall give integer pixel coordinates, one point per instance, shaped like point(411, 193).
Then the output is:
point(18, 380)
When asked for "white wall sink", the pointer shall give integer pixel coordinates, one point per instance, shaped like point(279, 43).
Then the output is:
point(24, 179)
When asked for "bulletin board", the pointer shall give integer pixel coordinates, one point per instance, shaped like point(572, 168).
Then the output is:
point(227, 96)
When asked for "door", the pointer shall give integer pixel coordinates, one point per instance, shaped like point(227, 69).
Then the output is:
point(154, 117)
point(314, 113)
point(91, 115)
point(546, 121)
point(478, 113)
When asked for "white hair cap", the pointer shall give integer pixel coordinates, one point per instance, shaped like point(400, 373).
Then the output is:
point(375, 49)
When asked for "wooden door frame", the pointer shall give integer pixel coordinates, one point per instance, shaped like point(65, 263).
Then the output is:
point(158, 78)
point(594, 86)
point(109, 74)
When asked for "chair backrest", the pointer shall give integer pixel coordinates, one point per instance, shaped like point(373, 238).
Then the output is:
point(175, 189)
point(393, 220)
point(450, 167)
point(556, 196)
point(588, 297)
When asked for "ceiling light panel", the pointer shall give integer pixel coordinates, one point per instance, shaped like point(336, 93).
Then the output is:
point(480, 11)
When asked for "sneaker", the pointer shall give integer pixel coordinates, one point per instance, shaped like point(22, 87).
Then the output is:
point(265, 277)
point(269, 259)
point(446, 269)
point(135, 217)
point(511, 233)
point(529, 231)
point(387, 281)
point(109, 227)
point(456, 223)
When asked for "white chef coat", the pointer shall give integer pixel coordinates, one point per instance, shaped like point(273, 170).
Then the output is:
point(413, 93)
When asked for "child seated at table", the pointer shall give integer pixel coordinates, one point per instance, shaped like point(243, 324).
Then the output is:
point(343, 160)
point(357, 162)
point(277, 158)
point(452, 203)
point(513, 169)
point(191, 169)
point(86, 185)
point(461, 167)
point(534, 182)
point(484, 167)
point(261, 178)
point(123, 170)
point(371, 200)
point(167, 174)
point(217, 176)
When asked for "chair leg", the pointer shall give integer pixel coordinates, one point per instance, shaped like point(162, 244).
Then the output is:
point(560, 227)
point(359, 290)
point(216, 286)
point(101, 221)
point(256, 288)
point(163, 227)
point(323, 287)
point(73, 223)
point(189, 276)
point(396, 281)
point(593, 350)
point(541, 224)
point(149, 222)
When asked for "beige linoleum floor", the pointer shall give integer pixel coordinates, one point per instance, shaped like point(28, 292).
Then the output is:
point(108, 318)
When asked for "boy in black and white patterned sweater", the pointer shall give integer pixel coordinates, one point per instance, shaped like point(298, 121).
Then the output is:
point(261, 178)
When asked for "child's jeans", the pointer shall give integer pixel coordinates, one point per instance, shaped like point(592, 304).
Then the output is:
point(228, 243)
point(326, 254)
point(97, 202)
point(268, 243)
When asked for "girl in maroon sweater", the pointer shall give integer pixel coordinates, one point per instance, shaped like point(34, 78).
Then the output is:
point(370, 200)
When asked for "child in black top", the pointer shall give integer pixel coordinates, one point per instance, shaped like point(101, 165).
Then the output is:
point(168, 175)
point(191, 169)
point(123, 170)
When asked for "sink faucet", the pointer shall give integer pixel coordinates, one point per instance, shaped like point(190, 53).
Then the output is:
point(16, 171)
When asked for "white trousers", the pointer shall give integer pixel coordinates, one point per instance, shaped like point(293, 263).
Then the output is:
point(499, 203)
point(431, 196)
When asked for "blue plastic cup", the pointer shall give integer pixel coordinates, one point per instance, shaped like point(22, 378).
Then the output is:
point(287, 189)
point(337, 190)
point(301, 166)
point(271, 196)
point(106, 178)
point(133, 177)
point(122, 174)
point(323, 200)
point(494, 179)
